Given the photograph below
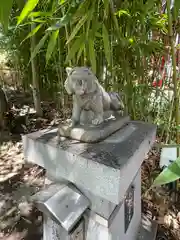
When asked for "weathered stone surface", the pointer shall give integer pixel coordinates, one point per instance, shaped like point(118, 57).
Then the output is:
point(93, 133)
point(148, 229)
point(64, 204)
point(106, 169)
point(99, 205)
point(95, 226)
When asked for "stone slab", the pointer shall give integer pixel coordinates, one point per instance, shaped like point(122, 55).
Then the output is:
point(64, 204)
point(106, 169)
point(99, 205)
point(104, 210)
point(92, 133)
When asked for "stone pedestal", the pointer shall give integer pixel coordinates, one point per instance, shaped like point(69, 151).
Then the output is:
point(106, 173)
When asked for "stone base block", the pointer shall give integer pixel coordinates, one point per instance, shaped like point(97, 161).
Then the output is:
point(93, 133)
point(89, 229)
point(105, 209)
point(120, 222)
point(105, 169)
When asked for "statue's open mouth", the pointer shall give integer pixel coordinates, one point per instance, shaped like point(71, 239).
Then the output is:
point(83, 94)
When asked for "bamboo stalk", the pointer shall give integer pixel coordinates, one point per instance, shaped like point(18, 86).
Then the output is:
point(60, 75)
point(35, 80)
point(176, 97)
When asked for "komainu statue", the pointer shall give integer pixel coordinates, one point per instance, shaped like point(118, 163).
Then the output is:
point(93, 107)
point(89, 95)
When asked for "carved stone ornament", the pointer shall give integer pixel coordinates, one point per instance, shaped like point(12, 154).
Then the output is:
point(96, 114)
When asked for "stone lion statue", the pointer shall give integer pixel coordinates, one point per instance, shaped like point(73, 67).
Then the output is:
point(89, 95)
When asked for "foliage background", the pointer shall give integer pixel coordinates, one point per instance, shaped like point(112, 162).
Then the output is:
point(123, 42)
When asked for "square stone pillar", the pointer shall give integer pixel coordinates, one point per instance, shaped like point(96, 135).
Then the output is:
point(107, 173)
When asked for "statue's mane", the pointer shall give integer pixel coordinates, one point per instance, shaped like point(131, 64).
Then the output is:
point(92, 83)
point(83, 71)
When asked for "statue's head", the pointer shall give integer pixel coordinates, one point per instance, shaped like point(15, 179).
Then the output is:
point(80, 81)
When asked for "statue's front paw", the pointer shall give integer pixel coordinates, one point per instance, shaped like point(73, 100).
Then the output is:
point(97, 121)
point(73, 123)
point(69, 122)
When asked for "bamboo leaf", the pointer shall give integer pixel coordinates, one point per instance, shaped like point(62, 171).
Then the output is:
point(35, 30)
point(77, 27)
point(116, 24)
point(61, 23)
point(97, 34)
point(20, 3)
point(177, 8)
point(169, 174)
point(75, 47)
point(69, 15)
point(92, 55)
point(123, 12)
point(177, 5)
point(96, 25)
point(39, 20)
point(61, 2)
point(5, 10)
point(39, 14)
point(82, 9)
point(106, 44)
point(52, 44)
point(89, 19)
point(39, 46)
point(106, 6)
point(29, 6)
point(149, 5)
point(80, 52)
